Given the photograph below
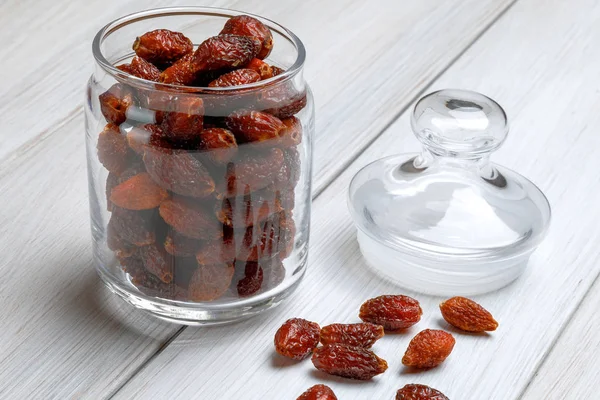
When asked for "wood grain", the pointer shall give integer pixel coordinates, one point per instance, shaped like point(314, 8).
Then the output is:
point(540, 62)
point(67, 337)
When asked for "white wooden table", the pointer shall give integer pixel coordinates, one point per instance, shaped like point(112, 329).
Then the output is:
point(63, 335)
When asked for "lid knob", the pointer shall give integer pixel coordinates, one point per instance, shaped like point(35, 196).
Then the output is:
point(459, 123)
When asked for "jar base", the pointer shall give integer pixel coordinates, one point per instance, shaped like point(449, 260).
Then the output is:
point(195, 314)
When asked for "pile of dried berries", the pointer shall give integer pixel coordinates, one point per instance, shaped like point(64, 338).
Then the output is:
point(201, 199)
point(345, 347)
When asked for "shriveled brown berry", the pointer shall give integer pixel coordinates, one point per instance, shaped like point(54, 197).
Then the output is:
point(428, 349)
point(252, 281)
point(115, 102)
point(190, 218)
point(284, 101)
point(132, 226)
point(219, 143)
point(414, 391)
point(393, 312)
point(138, 193)
point(318, 392)
point(162, 47)
point(264, 70)
point(246, 25)
point(158, 262)
point(218, 251)
point(114, 241)
point(180, 73)
point(467, 315)
point(250, 209)
point(360, 335)
point(184, 122)
point(276, 70)
point(210, 282)
point(238, 77)
point(252, 171)
point(255, 126)
point(125, 68)
point(143, 69)
point(292, 133)
point(136, 167)
point(224, 51)
point(180, 245)
point(178, 171)
point(297, 338)
point(348, 361)
point(113, 150)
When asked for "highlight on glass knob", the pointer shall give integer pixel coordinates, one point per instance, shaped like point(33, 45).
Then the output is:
point(459, 123)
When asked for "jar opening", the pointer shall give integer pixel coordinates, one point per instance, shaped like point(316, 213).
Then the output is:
point(116, 25)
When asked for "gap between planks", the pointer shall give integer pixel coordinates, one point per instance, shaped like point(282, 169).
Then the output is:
point(317, 192)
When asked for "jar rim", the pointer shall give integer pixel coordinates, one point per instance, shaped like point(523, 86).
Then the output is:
point(118, 23)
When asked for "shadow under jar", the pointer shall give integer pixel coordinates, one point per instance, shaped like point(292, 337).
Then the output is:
point(199, 193)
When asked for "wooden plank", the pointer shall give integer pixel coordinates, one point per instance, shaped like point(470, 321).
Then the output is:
point(571, 369)
point(549, 88)
point(65, 336)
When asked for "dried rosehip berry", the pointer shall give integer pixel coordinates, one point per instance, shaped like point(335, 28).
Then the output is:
point(162, 47)
point(291, 135)
point(238, 77)
point(359, 335)
point(178, 171)
point(190, 218)
point(297, 338)
point(276, 70)
point(114, 103)
point(125, 68)
point(428, 349)
point(184, 123)
point(264, 70)
point(255, 126)
point(113, 180)
point(114, 241)
point(158, 262)
point(210, 282)
point(284, 102)
point(348, 361)
point(143, 69)
point(132, 226)
point(467, 315)
point(248, 210)
point(224, 51)
point(393, 312)
point(138, 193)
point(252, 281)
point(217, 251)
point(419, 392)
point(245, 25)
point(252, 171)
point(219, 143)
point(318, 392)
point(112, 148)
point(180, 73)
point(180, 245)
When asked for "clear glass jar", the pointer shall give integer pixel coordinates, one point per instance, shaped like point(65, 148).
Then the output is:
point(197, 218)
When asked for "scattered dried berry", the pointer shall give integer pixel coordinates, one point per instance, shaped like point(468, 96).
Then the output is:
point(252, 281)
point(224, 51)
point(348, 361)
point(180, 73)
point(210, 282)
point(219, 143)
point(428, 349)
point(255, 126)
point(162, 47)
point(114, 103)
point(178, 171)
point(143, 69)
point(419, 392)
point(238, 77)
point(318, 392)
point(245, 25)
point(180, 245)
point(184, 122)
point(467, 315)
point(393, 312)
point(138, 193)
point(158, 262)
point(297, 338)
point(190, 218)
point(112, 149)
point(264, 70)
point(132, 226)
point(359, 335)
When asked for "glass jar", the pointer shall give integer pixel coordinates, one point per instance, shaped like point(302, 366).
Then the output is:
point(199, 195)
